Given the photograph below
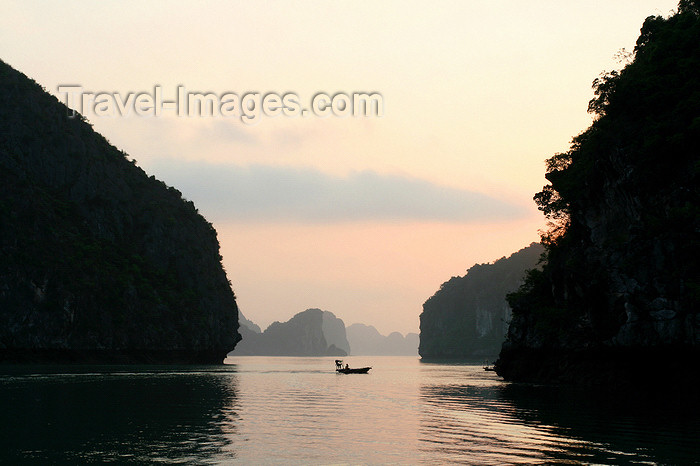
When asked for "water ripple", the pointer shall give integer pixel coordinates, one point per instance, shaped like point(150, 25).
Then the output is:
point(299, 411)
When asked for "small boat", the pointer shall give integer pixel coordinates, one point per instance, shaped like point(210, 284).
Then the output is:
point(354, 370)
point(348, 370)
point(489, 368)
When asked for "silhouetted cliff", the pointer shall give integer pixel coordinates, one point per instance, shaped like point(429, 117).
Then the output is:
point(366, 340)
point(98, 262)
point(619, 297)
point(334, 332)
point(245, 322)
point(468, 316)
point(310, 333)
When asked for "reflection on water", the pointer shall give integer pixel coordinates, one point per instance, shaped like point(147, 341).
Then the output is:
point(617, 427)
point(478, 418)
point(76, 414)
point(299, 411)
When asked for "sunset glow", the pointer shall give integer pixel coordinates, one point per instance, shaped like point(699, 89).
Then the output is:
point(361, 216)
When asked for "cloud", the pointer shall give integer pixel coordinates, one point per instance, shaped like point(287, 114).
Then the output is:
point(226, 192)
point(228, 132)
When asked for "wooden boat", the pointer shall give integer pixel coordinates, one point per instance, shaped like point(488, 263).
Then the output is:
point(354, 370)
point(348, 370)
point(490, 368)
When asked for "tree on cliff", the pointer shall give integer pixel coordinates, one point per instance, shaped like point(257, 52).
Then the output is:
point(468, 316)
point(98, 261)
point(623, 247)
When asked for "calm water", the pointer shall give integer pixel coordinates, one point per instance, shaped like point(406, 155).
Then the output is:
point(258, 410)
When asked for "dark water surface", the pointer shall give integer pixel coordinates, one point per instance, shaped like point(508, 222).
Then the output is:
point(260, 410)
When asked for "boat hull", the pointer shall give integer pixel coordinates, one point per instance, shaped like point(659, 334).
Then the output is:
point(359, 370)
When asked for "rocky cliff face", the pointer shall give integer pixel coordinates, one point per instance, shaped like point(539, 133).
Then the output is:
point(98, 261)
point(334, 331)
point(468, 317)
point(247, 323)
point(619, 297)
point(302, 335)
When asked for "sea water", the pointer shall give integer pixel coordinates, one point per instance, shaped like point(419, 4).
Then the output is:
point(269, 410)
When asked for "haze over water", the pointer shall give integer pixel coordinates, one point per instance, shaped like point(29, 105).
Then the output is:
point(298, 411)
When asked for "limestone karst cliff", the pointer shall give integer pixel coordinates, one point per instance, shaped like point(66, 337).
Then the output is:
point(244, 322)
point(312, 332)
point(98, 261)
point(468, 316)
point(619, 297)
point(334, 332)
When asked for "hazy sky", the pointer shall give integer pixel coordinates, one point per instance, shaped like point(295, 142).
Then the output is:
point(364, 217)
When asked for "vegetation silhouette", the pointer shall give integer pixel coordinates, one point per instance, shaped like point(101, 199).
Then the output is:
point(620, 290)
point(100, 262)
point(468, 316)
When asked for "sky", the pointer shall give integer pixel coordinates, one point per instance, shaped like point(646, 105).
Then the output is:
point(363, 216)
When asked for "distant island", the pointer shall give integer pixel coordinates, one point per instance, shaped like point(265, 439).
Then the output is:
point(312, 332)
point(468, 316)
point(618, 299)
point(250, 325)
point(365, 340)
point(320, 333)
point(99, 261)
